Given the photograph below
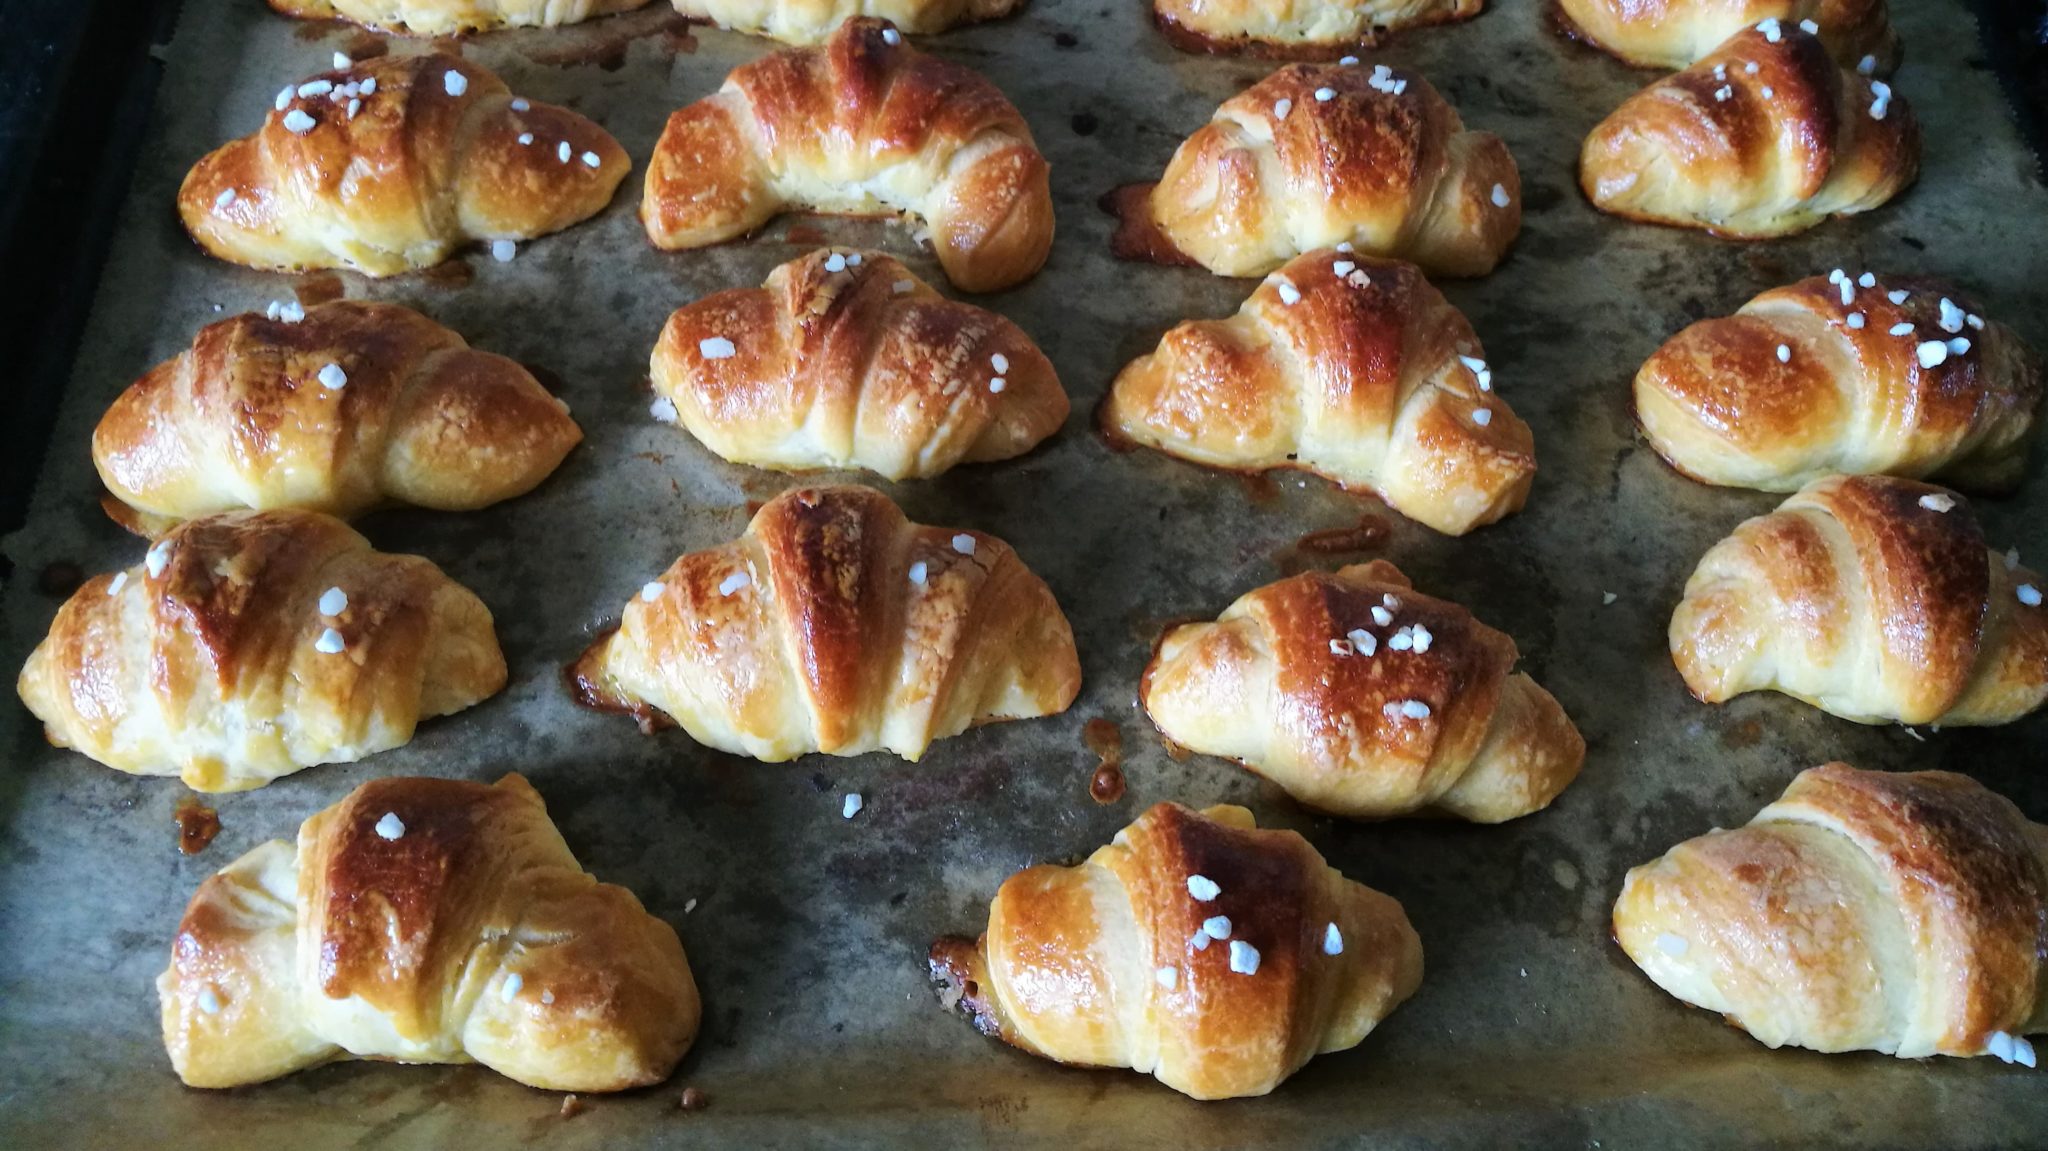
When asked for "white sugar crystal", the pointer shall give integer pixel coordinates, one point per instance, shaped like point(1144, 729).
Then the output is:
point(1167, 977)
point(503, 251)
point(1500, 196)
point(1673, 945)
point(964, 544)
point(917, 573)
point(330, 642)
point(1244, 958)
point(454, 83)
point(1216, 927)
point(1333, 940)
point(390, 827)
point(716, 348)
point(1202, 888)
point(664, 409)
point(333, 601)
point(736, 581)
point(297, 122)
point(333, 378)
point(852, 805)
point(650, 591)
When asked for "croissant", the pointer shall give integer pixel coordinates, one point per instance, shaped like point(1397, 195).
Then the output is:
point(250, 645)
point(862, 125)
point(1844, 374)
point(356, 404)
point(1676, 33)
point(425, 921)
point(814, 21)
point(453, 17)
point(1196, 948)
point(1304, 29)
point(837, 625)
point(1350, 367)
point(1863, 911)
point(1317, 155)
point(1873, 599)
point(392, 164)
point(1363, 698)
point(846, 359)
point(1765, 136)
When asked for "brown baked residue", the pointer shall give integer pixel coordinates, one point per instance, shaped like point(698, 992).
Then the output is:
point(1106, 740)
point(1137, 235)
point(197, 825)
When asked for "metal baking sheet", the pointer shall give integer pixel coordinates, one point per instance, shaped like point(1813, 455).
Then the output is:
point(809, 931)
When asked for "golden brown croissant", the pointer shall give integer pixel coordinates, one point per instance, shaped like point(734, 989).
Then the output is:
point(453, 17)
point(1871, 598)
point(845, 359)
point(1305, 29)
point(814, 21)
point(354, 405)
point(862, 125)
point(1862, 911)
point(392, 164)
point(1314, 156)
point(837, 625)
point(1675, 33)
point(425, 921)
point(1361, 697)
point(1850, 374)
point(1196, 948)
point(250, 645)
point(1766, 136)
point(1353, 368)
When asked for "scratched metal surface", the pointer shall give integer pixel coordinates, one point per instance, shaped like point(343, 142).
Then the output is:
point(809, 931)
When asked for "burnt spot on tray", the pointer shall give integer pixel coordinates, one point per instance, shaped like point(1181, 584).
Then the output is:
point(1084, 123)
point(592, 689)
point(1065, 40)
point(1104, 738)
point(316, 288)
point(955, 966)
point(197, 825)
point(1137, 236)
point(60, 578)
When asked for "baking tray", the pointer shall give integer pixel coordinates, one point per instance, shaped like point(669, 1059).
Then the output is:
point(807, 932)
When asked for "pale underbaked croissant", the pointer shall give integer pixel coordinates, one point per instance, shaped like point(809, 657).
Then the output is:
point(354, 405)
point(425, 921)
point(1317, 155)
point(861, 125)
point(1196, 948)
point(814, 21)
point(451, 17)
point(392, 164)
point(1675, 33)
point(1353, 368)
point(250, 645)
point(846, 359)
point(1863, 911)
point(837, 625)
point(1304, 29)
point(1764, 137)
point(1361, 697)
point(1844, 374)
point(1873, 599)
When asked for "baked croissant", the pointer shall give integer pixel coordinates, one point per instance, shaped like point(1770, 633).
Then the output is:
point(1196, 948)
point(1863, 911)
point(392, 164)
point(861, 125)
point(1873, 599)
point(846, 359)
point(1363, 698)
point(357, 404)
point(425, 921)
point(1350, 367)
point(250, 645)
point(1305, 29)
point(1765, 136)
point(1675, 33)
point(1317, 155)
point(837, 625)
point(453, 17)
point(814, 21)
point(1844, 374)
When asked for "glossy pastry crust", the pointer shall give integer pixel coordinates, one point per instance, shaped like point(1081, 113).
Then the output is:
point(1749, 154)
point(1074, 963)
point(1863, 911)
point(453, 17)
point(1899, 376)
point(355, 405)
point(1317, 155)
point(814, 21)
point(862, 125)
point(437, 153)
point(837, 625)
point(425, 921)
point(216, 659)
point(845, 359)
point(1354, 368)
point(1678, 33)
point(1297, 29)
point(1872, 598)
point(1364, 698)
